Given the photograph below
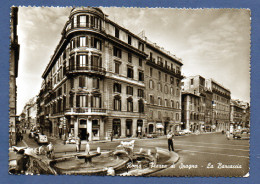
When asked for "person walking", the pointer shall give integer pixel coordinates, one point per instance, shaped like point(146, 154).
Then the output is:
point(170, 140)
point(78, 144)
point(228, 134)
point(50, 150)
point(111, 136)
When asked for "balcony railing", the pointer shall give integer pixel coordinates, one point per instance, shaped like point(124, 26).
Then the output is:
point(163, 67)
point(86, 110)
point(85, 68)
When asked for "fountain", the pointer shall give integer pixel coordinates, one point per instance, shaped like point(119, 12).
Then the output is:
point(88, 156)
point(124, 160)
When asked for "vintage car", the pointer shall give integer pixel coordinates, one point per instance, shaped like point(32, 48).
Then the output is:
point(152, 135)
point(41, 138)
point(186, 131)
point(241, 134)
point(179, 133)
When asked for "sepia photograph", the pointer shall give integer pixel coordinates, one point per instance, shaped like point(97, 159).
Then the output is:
point(117, 91)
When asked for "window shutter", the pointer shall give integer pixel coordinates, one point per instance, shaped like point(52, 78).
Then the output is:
point(78, 42)
point(86, 41)
point(78, 60)
point(92, 42)
point(78, 21)
point(77, 101)
point(72, 22)
point(100, 102)
point(86, 105)
point(87, 20)
point(91, 101)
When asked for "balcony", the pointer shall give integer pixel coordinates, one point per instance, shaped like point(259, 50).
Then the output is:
point(85, 69)
point(85, 111)
point(166, 69)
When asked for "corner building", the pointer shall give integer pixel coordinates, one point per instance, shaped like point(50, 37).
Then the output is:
point(95, 81)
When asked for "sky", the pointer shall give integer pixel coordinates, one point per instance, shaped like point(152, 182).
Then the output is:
point(213, 43)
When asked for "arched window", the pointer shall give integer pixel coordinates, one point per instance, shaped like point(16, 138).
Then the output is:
point(166, 89)
point(172, 103)
point(177, 116)
point(177, 105)
point(117, 103)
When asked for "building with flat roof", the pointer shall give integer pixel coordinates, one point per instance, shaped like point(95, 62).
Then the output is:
point(103, 80)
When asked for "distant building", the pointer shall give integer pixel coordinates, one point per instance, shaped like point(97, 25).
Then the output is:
point(239, 114)
point(221, 105)
point(104, 80)
point(206, 103)
point(30, 113)
point(13, 71)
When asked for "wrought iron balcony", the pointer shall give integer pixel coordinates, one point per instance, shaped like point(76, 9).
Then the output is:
point(85, 69)
point(86, 111)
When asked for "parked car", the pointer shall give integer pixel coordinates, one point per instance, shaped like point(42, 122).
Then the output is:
point(179, 133)
point(32, 134)
point(152, 135)
point(186, 131)
point(241, 134)
point(41, 138)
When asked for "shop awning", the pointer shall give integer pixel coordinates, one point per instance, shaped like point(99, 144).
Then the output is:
point(159, 125)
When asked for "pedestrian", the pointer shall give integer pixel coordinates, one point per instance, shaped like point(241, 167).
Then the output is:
point(228, 134)
point(87, 136)
point(50, 150)
point(170, 140)
point(78, 144)
point(111, 136)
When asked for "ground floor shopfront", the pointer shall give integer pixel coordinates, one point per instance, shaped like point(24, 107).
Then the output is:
point(162, 128)
point(96, 127)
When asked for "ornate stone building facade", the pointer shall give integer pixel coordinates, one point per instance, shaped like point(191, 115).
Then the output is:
point(97, 83)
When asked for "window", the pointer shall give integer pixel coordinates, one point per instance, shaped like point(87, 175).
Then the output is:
point(151, 99)
point(117, 67)
point(151, 84)
point(165, 64)
point(117, 87)
point(141, 76)
point(159, 61)
point(96, 83)
point(171, 91)
point(83, 41)
point(129, 40)
point(172, 103)
point(82, 81)
point(64, 88)
point(151, 114)
point(72, 44)
point(140, 93)
point(82, 21)
point(166, 77)
point(129, 57)
point(140, 62)
point(191, 82)
point(117, 103)
point(96, 43)
point(71, 83)
point(96, 101)
point(172, 80)
point(159, 101)
point(129, 105)
point(159, 87)
point(96, 62)
point(140, 106)
point(151, 72)
point(129, 90)
point(177, 116)
point(82, 60)
point(141, 46)
point(92, 23)
point(117, 52)
point(116, 32)
point(81, 101)
point(159, 75)
point(151, 56)
point(166, 103)
point(159, 115)
point(166, 89)
point(177, 105)
point(130, 72)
